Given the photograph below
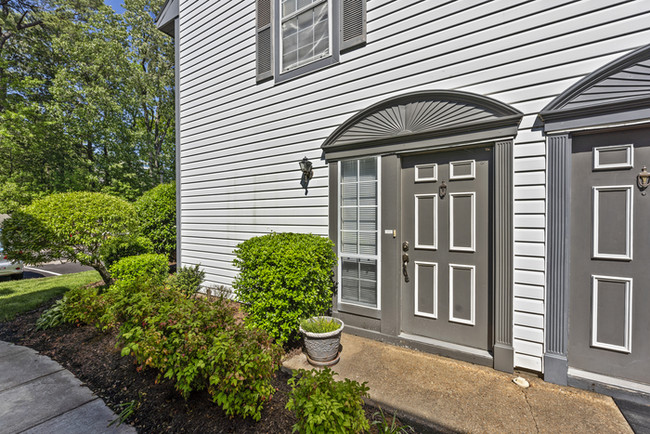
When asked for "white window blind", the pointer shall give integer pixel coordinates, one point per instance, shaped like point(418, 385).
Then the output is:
point(358, 247)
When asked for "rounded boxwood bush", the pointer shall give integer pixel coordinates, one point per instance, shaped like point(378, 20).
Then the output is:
point(69, 226)
point(148, 267)
point(156, 210)
point(284, 277)
point(115, 248)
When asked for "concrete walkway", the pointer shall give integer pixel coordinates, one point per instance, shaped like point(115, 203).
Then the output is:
point(451, 396)
point(38, 396)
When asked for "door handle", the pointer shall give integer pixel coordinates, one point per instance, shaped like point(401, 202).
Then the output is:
point(405, 271)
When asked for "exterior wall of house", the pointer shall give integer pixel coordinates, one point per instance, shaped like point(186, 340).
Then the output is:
point(240, 142)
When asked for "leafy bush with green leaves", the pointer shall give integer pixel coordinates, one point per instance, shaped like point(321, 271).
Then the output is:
point(150, 267)
point(70, 226)
point(85, 306)
point(52, 317)
point(197, 344)
point(283, 278)
point(323, 405)
point(187, 280)
point(115, 248)
point(157, 214)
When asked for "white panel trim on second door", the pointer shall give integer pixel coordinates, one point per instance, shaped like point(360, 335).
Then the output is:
point(628, 164)
point(596, 254)
point(627, 348)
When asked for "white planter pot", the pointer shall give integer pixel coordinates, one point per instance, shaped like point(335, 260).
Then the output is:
point(323, 348)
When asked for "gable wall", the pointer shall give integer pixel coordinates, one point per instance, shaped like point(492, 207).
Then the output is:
point(241, 141)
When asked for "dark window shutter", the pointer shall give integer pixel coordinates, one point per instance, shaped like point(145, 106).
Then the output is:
point(353, 23)
point(264, 40)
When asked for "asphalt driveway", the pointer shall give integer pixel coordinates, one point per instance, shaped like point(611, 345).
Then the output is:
point(56, 268)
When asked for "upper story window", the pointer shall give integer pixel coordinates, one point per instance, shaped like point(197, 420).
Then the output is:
point(305, 32)
point(295, 37)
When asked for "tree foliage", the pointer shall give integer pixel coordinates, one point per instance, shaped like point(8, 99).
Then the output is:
point(69, 226)
point(86, 99)
point(156, 211)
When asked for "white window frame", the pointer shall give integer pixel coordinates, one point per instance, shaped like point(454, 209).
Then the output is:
point(333, 8)
point(340, 254)
point(312, 5)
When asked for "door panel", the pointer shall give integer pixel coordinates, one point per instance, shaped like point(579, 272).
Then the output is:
point(447, 230)
point(610, 247)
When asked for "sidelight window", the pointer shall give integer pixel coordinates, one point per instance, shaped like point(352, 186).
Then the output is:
point(359, 231)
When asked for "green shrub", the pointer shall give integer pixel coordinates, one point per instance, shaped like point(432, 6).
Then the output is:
point(197, 344)
point(52, 317)
point(283, 278)
point(187, 280)
point(70, 226)
point(84, 306)
point(194, 342)
point(121, 246)
point(156, 211)
point(323, 405)
point(149, 267)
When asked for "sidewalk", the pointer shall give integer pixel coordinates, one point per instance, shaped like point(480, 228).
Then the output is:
point(38, 396)
point(447, 395)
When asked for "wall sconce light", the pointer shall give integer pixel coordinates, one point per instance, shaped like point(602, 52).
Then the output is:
point(643, 180)
point(307, 173)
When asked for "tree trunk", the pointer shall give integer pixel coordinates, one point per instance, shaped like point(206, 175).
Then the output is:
point(103, 272)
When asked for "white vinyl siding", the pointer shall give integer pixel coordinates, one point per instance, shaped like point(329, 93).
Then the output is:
point(241, 141)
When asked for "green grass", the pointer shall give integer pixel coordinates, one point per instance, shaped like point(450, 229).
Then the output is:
point(319, 325)
point(18, 296)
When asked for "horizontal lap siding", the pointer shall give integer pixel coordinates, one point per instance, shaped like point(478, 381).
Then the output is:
point(241, 141)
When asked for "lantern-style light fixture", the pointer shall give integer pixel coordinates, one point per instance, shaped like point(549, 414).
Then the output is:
point(643, 179)
point(307, 173)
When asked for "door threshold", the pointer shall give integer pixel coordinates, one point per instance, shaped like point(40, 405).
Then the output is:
point(475, 352)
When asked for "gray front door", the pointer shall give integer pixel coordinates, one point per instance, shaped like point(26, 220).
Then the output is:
point(609, 324)
point(445, 230)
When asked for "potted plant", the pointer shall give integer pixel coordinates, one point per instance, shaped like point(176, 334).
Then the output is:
point(322, 337)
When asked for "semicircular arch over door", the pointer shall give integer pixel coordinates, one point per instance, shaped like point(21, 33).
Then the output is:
point(421, 213)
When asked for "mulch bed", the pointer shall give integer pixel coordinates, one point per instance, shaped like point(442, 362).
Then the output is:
point(92, 357)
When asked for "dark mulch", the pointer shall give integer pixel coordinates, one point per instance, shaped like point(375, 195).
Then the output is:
point(92, 357)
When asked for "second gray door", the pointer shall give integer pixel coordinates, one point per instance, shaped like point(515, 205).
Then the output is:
point(445, 234)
